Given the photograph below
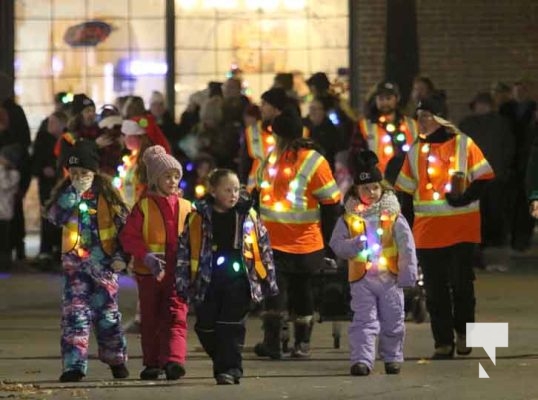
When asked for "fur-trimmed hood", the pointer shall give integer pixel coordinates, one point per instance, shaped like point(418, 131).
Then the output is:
point(388, 203)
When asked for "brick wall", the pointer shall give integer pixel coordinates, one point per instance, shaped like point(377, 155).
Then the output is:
point(464, 45)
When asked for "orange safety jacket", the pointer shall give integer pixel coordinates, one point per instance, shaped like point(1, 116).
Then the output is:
point(426, 174)
point(154, 229)
point(292, 187)
point(380, 141)
point(387, 258)
point(106, 228)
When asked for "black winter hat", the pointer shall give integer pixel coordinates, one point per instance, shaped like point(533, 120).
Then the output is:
point(320, 81)
point(436, 104)
point(388, 88)
point(80, 102)
point(288, 125)
point(277, 97)
point(84, 154)
point(366, 170)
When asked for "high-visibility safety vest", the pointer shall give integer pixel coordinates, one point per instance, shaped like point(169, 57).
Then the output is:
point(260, 143)
point(292, 187)
point(385, 258)
point(154, 228)
point(250, 247)
point(381, 141)
point(105, 225)
point(426, 174)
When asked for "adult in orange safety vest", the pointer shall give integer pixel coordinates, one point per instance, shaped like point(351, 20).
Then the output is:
point(386, 130)
point(445, 172)
point(299, 202)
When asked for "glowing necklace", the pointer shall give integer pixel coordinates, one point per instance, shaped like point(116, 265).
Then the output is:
point(394, 138)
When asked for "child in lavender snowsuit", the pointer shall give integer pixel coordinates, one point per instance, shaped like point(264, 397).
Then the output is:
point(91, 213)
point(377, 241)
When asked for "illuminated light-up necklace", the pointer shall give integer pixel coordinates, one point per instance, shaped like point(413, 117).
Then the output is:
point(433, 166)
point(394, 138)
point(371, 251)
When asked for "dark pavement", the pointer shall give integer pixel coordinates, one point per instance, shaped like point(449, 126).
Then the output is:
point(30, 363)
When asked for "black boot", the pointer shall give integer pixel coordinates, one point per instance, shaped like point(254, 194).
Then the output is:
point(174, 371)
point(270, 347)
point(73, 375)
point(303, 331)
point(119, 371)
point(150, 374)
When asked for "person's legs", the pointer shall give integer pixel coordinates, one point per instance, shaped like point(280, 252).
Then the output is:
point(76, 321)
point(363, 327)
point(435, 264)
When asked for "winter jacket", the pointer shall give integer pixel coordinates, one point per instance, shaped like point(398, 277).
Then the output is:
point(194, 287)
point(346, 247)
point(89, 248)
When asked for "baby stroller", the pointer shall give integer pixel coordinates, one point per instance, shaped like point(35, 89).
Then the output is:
point(415, 301)
point(332, 296)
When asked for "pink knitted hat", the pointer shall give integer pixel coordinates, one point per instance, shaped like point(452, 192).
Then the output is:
point(158, 162)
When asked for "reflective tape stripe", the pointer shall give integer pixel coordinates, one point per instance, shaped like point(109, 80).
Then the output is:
point(108, 233)
point(406, 183)
point(303, 176)
point(441, 208)
point(327, 192)
point(297, 217)
point(370, 130)
point(480, 169)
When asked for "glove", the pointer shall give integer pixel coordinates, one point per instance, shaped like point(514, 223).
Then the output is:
point(155, 263)
point(83, 184)
point(118, 266)
point(457, 201)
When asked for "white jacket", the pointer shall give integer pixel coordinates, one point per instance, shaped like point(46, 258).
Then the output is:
point(9, 185)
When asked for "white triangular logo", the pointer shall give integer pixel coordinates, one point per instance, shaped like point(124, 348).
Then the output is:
point(482, 372)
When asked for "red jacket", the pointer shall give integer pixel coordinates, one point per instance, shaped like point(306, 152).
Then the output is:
point(131, 235)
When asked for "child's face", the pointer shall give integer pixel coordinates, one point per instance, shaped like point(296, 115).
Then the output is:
point(132, 142)
point(226, 192)
point(168, 183)
point(78, 173)
point(370, 193)
point(203, 169)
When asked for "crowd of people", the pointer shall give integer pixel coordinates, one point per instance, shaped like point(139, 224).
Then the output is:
point(240, 203)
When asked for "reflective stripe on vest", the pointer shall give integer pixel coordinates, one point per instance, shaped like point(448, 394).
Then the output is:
point(154, 228)
point(106, 229)
point(424, 208)
point(250, 245)
point(359, 265)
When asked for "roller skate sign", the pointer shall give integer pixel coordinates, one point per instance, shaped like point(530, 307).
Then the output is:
point(489, 336)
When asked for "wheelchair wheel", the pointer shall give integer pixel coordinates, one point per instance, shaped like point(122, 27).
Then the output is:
point(420, 312)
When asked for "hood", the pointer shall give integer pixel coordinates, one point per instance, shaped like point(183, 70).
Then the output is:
point(388, 203)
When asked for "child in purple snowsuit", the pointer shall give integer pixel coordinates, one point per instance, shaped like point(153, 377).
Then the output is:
point(378, 243)
point(91, 213)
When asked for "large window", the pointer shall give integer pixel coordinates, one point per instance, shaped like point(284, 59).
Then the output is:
point(104, 48)
point(109, 48)
point(261, 37)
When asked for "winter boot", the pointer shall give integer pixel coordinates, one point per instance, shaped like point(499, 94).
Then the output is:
point(392, 368)
point(174, 371)
point(150, 374)
point(73, 375)
point(443, 352)
point(359, 369)
point(302, 330)
point(119, 371)
point(461, 345)
point(270, 347)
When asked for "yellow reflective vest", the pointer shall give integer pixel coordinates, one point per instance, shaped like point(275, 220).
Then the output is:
point(106, 228)
point(387, 256)
point(154, 229)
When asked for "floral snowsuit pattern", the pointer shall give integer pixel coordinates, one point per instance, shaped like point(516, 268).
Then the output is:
point(90, 288)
